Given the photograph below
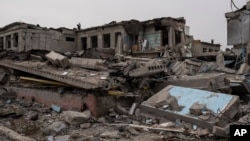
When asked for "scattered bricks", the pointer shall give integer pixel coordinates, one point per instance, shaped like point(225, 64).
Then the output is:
point(76, 118)
point(196, 109)
point(58, 59)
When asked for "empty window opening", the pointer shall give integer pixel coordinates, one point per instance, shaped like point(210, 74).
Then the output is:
point(15, 43)
point(210, 50)
point(70, 39)
point(1, 43)
point(84, 43)
point(164, 37)
point(177, 36)
point(106, 41)
point(94, 42)
point(8, 41)
point(204, 50)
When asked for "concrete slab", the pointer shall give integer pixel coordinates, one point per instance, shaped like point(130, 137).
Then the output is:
point(217, 104)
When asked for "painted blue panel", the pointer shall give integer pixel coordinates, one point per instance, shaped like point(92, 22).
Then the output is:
point(187, 97)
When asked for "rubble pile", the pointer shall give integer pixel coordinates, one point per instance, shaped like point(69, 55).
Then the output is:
point(121, 98)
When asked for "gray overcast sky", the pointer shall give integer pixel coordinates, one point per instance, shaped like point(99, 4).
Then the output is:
point(205, 17)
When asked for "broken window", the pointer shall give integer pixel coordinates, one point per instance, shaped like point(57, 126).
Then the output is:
point(94, 42)
point(8, 41)
point(177, 37)
point(15, 43)
point(84, 43)
point(106, 41)
point(70, 39)
point(210, 50)
point(1, 43)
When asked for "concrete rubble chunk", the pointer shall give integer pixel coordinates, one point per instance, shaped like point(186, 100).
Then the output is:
point(13, 135)
point(202, 132)
point(96, 64)
point(187, 97)
point(62, 138)
point(245, 119)
point(110, 134)
point(76, 118)
point(57, 126)
point(85, 125)
point(58, 59)
point(197, 109)
point(244, 68)
point(221, 131)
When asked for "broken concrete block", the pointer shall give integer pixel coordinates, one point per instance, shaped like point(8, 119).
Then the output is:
point(110, 134)
point(76, 118)
point(85, 125)
point(196, 109)
point(166, 100)
point(221, 131)
point(57, 126)
point(202, 132)
point(173, 103)
point(51, 138)
point(168, 124)
point(62, 138)
point(244, 68)
point(227, 105)
point(245, 119)
point(121, 110)
point(57, 59)
point(132, 109)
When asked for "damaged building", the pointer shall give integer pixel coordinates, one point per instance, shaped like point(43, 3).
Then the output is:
point(25, 37)
point(122, 80)
point(200, 48)
point(152, 38)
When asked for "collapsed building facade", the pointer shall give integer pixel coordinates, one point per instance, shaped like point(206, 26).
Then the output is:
point(131, 68)
point(151, 37)
point(25, 37)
